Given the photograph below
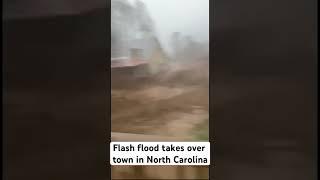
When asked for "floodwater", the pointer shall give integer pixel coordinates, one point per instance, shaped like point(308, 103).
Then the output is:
point(170, 104)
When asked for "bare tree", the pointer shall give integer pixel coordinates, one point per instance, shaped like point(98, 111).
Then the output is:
point(127, 22)
point(144, 21)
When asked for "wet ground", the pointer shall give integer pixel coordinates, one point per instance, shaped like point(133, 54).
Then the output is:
point(171, 103)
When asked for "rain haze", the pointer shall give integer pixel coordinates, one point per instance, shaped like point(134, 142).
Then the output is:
point(189, 17)
point(160, 77)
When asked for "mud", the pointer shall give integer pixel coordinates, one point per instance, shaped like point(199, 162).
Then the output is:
point(170, 103)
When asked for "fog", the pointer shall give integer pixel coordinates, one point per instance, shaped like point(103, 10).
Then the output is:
point(189, 17)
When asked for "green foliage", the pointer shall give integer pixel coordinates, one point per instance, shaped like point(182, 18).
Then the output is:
point(201, 131)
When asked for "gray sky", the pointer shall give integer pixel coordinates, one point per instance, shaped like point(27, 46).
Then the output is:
point(190, 17)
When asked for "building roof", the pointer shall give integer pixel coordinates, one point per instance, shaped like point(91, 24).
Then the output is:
point(148, 45)
point(127, 62)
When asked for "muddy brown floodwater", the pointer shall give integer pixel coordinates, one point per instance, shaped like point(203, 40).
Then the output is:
point(170, 104)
